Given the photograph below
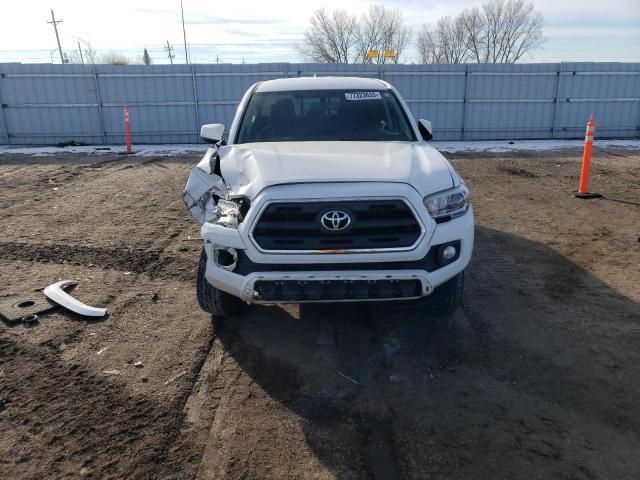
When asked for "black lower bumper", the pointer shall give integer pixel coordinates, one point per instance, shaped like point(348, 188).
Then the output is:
point(327, 290)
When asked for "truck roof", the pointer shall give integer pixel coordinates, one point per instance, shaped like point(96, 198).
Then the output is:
point(322, 83)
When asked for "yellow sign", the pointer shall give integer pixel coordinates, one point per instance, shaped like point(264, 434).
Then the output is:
point(389, 54)
point(372, 54)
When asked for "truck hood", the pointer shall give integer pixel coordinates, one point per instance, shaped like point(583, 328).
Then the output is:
point(249, 168)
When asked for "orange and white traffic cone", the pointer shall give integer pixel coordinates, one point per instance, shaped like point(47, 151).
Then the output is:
point(127, 129)
point(583, 187)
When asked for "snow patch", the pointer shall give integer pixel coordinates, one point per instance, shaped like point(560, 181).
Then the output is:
point(489, 146)
point(138, 151)
point(505, 146)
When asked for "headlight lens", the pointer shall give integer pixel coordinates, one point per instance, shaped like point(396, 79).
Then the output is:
point(450, 203)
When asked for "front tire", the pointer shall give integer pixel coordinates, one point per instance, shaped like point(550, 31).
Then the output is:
point(447, 297)
point(212, 300)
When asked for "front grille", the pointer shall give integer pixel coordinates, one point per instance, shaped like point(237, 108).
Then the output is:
point(375, 224)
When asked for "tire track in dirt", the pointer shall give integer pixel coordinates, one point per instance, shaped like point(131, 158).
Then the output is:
point(350, 424)
point(182, 432)
point(134, 260)
point(23, 177)
point(35, 390)
point(237, 386)
point(199, 410)
point(402, 340)
point(361, 348)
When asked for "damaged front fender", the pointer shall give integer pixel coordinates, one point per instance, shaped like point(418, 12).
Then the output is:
point(202, 193)
point(207, 195)
point(205, 189)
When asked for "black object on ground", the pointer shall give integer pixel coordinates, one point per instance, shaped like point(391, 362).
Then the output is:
point(14, 309)
point(30, 320)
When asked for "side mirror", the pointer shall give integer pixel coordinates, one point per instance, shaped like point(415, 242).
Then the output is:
point(424, 126)
point(212, 133)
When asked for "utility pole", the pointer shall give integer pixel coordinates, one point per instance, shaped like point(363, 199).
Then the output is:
point(184, 34)
point(80, 50)
point(55, 23)
point(88, 51)
point(169, 50)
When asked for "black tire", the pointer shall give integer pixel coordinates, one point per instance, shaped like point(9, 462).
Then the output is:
point(212, 300)
point(447, 297)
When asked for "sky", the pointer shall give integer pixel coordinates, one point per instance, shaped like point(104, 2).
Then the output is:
point(267, 31)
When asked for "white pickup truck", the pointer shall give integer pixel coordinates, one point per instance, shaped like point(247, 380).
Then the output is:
point(326, 190)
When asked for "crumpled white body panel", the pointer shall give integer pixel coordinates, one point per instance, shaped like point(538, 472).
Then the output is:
point(203, 190)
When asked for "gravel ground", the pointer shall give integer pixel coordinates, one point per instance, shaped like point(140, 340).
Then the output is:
point(536, 376)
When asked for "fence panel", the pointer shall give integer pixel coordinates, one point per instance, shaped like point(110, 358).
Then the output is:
point(220, 87)
point(434, 92)
point(610, 90)
point(51, 104)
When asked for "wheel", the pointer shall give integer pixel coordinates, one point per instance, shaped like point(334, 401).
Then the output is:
point(447, 297)
point(213, 300)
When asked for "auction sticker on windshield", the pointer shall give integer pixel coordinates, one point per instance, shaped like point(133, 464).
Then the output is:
point(362, 96)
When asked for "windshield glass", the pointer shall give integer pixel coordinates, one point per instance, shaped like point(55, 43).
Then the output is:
point(327, 115)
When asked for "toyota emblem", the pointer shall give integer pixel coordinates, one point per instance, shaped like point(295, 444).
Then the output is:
point(335, 220)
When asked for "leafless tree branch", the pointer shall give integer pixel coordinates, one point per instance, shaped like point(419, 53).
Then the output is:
point(500, 31)
point(338, 37)
point(330, 38)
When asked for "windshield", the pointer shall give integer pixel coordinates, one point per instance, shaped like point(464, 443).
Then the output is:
point(326, 115)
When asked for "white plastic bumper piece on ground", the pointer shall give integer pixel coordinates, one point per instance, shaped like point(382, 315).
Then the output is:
point(56, 294)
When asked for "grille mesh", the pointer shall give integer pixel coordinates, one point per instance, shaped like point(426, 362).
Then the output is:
point(375, 224)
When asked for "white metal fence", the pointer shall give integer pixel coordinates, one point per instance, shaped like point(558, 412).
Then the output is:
point(50, 104)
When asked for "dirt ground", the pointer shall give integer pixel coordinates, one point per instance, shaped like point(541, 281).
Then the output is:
point(536, 376)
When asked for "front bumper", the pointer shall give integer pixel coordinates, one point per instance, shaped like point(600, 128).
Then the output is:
point(323, 285)
point(320, 286)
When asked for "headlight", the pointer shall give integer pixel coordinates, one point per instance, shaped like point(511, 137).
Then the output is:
point(450, 203)
point(227, 213)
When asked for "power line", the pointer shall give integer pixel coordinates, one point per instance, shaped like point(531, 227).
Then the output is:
point(55, 23)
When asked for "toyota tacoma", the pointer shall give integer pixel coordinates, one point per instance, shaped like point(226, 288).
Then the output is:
point(326, 190)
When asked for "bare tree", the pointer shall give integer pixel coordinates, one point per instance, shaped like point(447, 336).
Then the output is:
point(338, 37)
point(370, 32)
point(512, 29)
point(88, 56)
point(330, 38)
point(445, 44)
point(472, 23)
point(89, 53)
point(114, 58)
point(381, 29)
point(396, 35)
point(73, 56)
point(501, 31)
point(427, 45)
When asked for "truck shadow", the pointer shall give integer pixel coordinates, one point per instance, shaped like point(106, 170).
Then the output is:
point(532, 358)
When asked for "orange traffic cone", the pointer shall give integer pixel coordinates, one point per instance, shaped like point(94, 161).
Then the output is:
point(127, 129)
point(583, 187)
